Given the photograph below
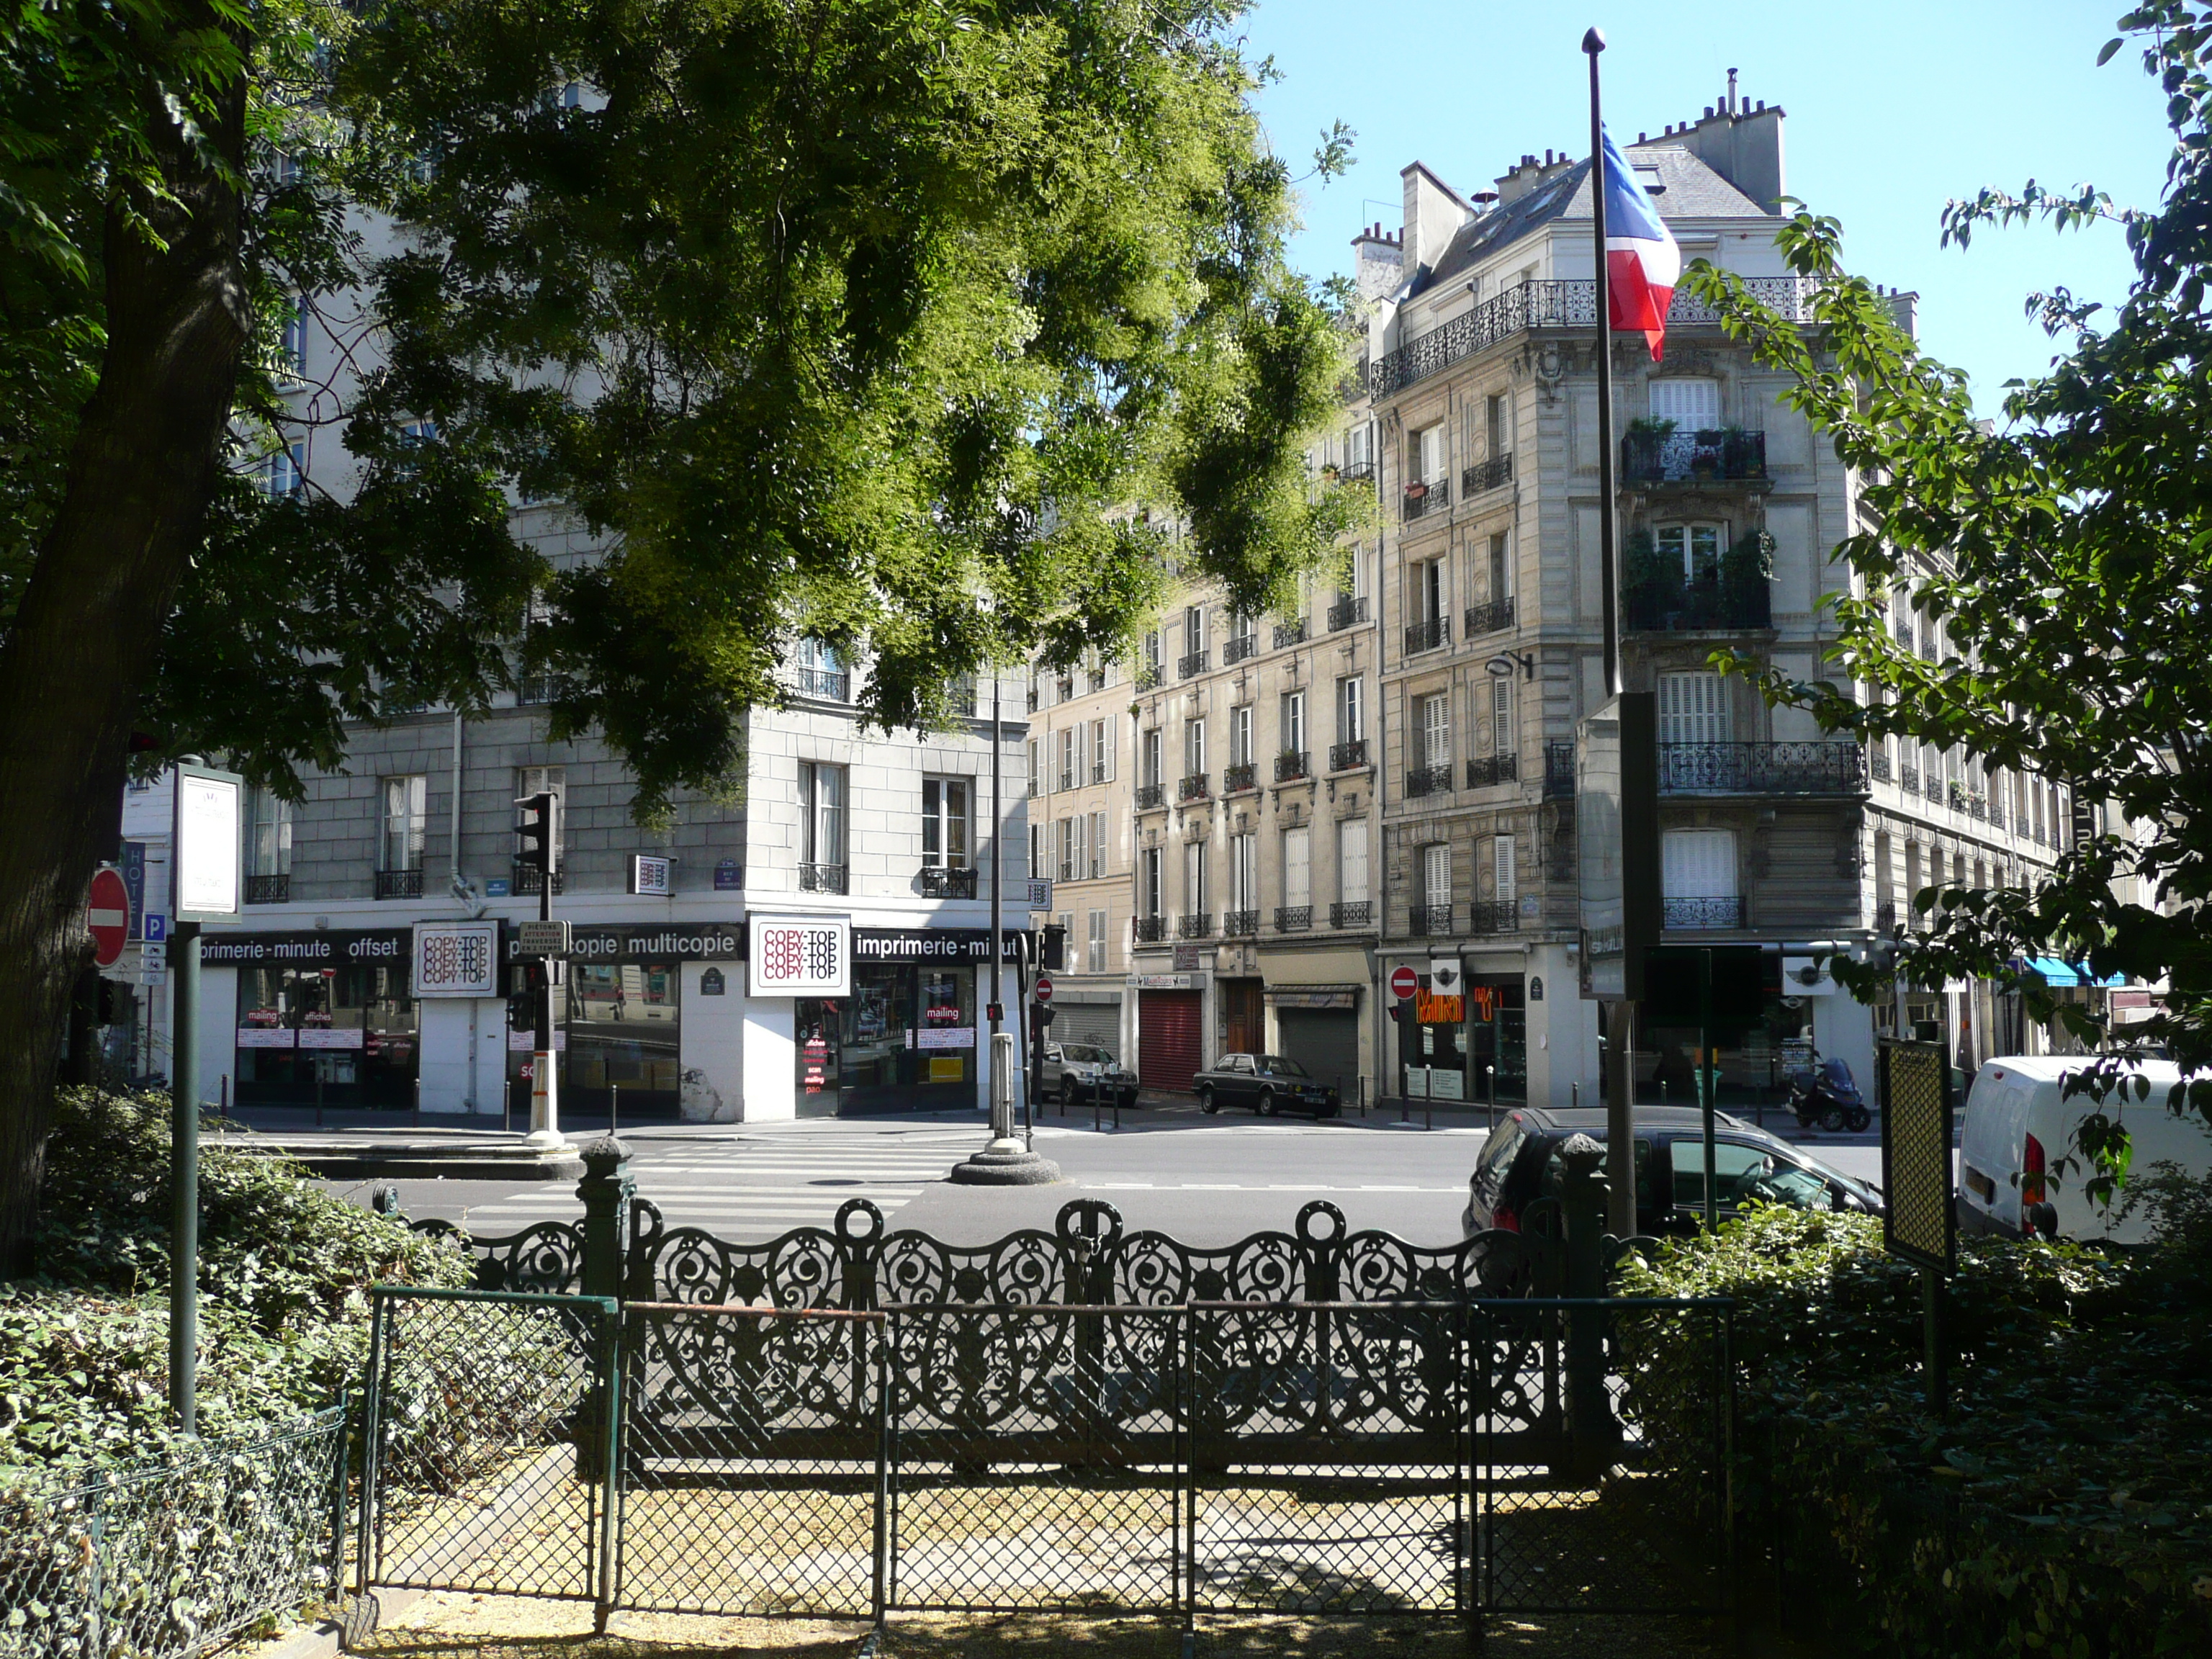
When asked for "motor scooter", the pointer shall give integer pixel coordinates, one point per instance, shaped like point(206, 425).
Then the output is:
point(1824, 1096)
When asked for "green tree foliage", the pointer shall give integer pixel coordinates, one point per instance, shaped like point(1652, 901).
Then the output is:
point(2066, 554)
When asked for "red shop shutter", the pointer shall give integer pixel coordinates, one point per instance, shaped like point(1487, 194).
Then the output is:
point(1169, 1049)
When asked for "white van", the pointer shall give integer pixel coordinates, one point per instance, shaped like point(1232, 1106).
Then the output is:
point(2018, 1129)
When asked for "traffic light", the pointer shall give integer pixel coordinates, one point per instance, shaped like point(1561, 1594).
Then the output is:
point(521, 1012)
point(540, 830)
point(1055, 949)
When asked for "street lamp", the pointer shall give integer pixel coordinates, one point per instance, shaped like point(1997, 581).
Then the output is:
point(1501, 666)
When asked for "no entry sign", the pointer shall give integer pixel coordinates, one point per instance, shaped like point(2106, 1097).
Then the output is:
point(1043, 988)
point(1404, 981)
point(108, 910)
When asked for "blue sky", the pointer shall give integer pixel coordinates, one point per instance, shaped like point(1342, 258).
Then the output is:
point(1893, 109)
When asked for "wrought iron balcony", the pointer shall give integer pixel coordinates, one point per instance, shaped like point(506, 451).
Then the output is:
point(1293, 918)
point(1908, 777)
point(268, 889)
point(1192, 667)
point(1240, 924)
point(1343, 756)
point(1558, 768)
point(1493, 474)
point(1098, 771)
point(1429, 920)
point(830, 684)
point(1036, 789)
point(1727, 455)
point(1149, 930)
point(1148, 676)
point(1063, 689)
point(1290, 634)
point(1194, 927)
point(1762, 768)
point(1357, 913)
point(1562, 304)
point(1236, 779)
point(523, 879)
point(1424, 498)
point(1428, 781)
point(1880, 762)
point(1356, 472)
point(1701, 607)
point(1932, 785)
point(821, 878)
point(1149, 795)
point(1192, 787)
point(1291, 765)
point(1491, 618)
point(1702, 912)
point(1068, 779)
point(1345, 613)
point(1492, 769)
point(399, 884)
point(938, 881)
point(1428, 636)
point(1494, 916)
point(1885, 915)
point(1238, 647)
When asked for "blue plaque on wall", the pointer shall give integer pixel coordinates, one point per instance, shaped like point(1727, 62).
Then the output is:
point(728, 877)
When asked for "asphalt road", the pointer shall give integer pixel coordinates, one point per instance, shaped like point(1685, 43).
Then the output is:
point(1205, 1180)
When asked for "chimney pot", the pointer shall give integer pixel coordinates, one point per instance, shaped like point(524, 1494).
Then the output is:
point(1640, 138)
point(1708, 112)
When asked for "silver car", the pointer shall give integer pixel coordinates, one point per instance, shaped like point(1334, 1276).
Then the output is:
point(1075, 1071)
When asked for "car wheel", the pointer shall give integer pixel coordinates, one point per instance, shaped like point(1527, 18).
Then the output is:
point(1267, 1103)
point(1205, 1100)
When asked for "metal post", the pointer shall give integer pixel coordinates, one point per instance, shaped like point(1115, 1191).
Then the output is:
point(184, 1176)
point(614, 1105)
point(1938, 1361)
point(1608, 553)
point(993, 1008)
point(1620, 1116)
point(319, 1091)
point(1705, 1082)
point(1429, 1098)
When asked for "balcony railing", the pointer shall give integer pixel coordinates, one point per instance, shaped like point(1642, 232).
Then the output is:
point(1491, 618)
point(1098, 771)
point(821, 878)
point(268, 889)
point(1291, 765)
point(1702, 912)
point(1240, 924)
point(1493, 474)
point(524, 881)
point(1194, 927)
point(1908, 777)
point(1932, 785)
point(1566, 304)
point(1762, 768)
point(1149, 795)
point(1428, 636)
point(1192, 788)
point(1238, 648)
point(1236, 779)
point(1425, 498)
point(1429, 920)
point(1558, 768)
point(1191, 666)
point(1494, 916)
point(1293, 918)
point(1428, 781)
point(1356, 472)
point(1290, 634)
point(1345, 613)
point(1487, 769)
point(830, 684)
point(1724, 456)
point(1880, 762)
point(1148, 676)
point(1885, 915)
point(1151, 930)
point(399, 884)
point(940, 882)
point(1357, 913)
point(1701, 607)
point(1343, 756)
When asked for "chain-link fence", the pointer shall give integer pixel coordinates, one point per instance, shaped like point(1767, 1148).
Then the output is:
point(489, 1435)
point(164, 1558)
point(751, 1462)
point(1037, 1457)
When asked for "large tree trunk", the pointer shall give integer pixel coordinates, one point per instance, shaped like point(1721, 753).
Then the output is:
point(141, 473)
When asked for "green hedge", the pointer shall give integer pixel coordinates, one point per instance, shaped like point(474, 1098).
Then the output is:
point(2064, 1507)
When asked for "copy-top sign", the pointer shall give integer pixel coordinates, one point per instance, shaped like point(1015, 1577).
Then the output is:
point(801, 956)
point(203, 875)
point(457, 960)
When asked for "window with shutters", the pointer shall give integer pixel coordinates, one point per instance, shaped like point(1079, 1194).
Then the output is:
point(1037, 851)
point(1436, 875)
point(1194, 878)
point(1427, 599)
point(1097, 843)
point(1037, 784)
point(1067, 759)
point(1102, 752)
point(1425, 454)
point(1694, 707)
point(1152, 762)
point(1194, 630)
point(1082, 847)
point(1502, 869)
point(1501, 570)
point(1193, 748)
point(1240, 736)
point(1294, 722)
point(1351, 711)
point(1065, 868)
point(1298, 867)
point(1244, 873)
point(1094, 955)
point(1503, 737)
point(1496, 440)
point(1693, 405)
point(1351, 861)
point(1151, 893)
point(1433, 718)
point(1699, 864)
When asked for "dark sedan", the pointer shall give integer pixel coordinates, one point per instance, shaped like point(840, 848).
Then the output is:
point(1268, 1084)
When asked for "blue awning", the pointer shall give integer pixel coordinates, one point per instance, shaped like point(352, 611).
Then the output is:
point(2057, 973)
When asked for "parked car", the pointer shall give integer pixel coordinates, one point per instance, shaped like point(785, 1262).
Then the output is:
point(1268, 1084)
point(1078, 1072)
point(2020, 1171)
point(1520, 1163)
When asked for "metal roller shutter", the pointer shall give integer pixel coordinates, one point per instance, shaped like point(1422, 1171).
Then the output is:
point(1325, 1041)
point(1170, 1048)
point(1088, 1022)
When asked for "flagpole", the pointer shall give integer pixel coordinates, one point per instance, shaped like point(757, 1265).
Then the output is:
point(1608, 538)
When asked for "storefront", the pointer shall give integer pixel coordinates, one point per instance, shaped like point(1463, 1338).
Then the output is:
point(1171, 1030)
point(1498, 1038)
point(911, 1034)
point(1318, 1026)
point(327, 1006)
point(1432, 1045)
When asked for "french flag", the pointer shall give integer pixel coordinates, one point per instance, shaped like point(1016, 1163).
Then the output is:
point(1642, 260)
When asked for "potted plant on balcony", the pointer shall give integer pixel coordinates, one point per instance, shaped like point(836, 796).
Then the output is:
point(1741, 454)
point(1706, 453)
point(1417, 490)
point(1746, 570)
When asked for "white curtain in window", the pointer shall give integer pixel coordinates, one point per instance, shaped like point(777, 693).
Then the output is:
point(1502, 869)
point(1351, 861)
point(404, 811)
point(1699, 864)
point(1298, 867)
point(1245, 871)
point(1436, 874)
point(1097, 843)
point(1504, 739)
point(1194, 878)
point(1693, 405)
point(1693, 708)
point(1436, 730)
point(1095, 956)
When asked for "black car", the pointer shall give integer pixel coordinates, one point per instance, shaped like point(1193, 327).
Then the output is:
point(1268, 1084)
point(1520, 1163)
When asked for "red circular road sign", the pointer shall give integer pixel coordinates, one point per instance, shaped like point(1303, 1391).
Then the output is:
point(1043, 988)
point(1404, 981)
point(108, 909)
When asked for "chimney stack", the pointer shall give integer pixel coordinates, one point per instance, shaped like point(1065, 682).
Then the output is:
point(1731, 92)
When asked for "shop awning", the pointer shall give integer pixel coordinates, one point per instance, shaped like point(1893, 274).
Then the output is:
point(2057, 973)
point(1313, 996)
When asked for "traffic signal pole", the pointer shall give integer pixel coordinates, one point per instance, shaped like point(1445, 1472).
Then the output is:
point(540, 834)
